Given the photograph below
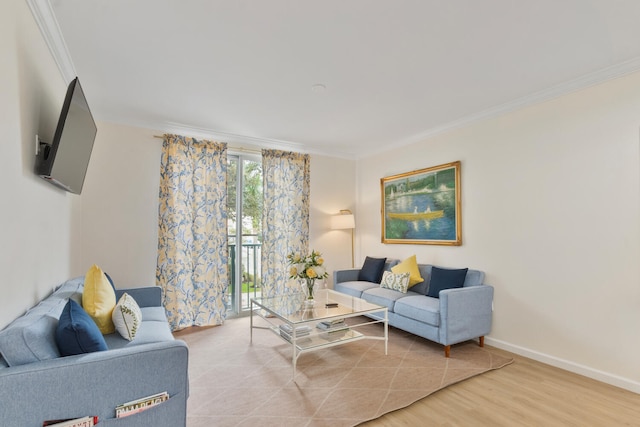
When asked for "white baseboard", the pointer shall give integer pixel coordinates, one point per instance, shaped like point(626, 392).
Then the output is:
point(567, 365)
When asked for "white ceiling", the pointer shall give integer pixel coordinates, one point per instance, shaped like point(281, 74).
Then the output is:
point(395, 71)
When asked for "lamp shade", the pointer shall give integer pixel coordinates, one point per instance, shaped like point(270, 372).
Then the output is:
point(343, 221)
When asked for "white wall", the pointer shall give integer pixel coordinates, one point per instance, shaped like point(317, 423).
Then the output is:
point(550, 209)
point(332, 189)
point(120, 205)
point(551, 199)
point(40, 237)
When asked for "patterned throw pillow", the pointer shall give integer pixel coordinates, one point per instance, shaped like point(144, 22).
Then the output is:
point(127, 317)
point(397, 282)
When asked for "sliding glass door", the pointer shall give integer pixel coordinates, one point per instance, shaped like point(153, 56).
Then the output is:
point(244, 226)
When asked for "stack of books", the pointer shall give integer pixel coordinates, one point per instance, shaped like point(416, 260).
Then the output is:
point(140, 405)
point(286, 331)
point(72, 422)
point(332, 325)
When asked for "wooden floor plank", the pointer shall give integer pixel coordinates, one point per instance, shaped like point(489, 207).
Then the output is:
point(525, 393)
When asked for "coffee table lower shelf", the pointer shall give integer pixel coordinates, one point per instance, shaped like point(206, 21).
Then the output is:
point(290, 312)
point(321, 339)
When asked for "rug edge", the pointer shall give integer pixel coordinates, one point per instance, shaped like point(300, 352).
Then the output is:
point(508, 361)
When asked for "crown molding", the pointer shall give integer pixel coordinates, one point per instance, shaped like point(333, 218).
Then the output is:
point(46, 20)
point(252, 141)
point(243, 141)
point(48, 25)
point(50, 30)
point(588, 80)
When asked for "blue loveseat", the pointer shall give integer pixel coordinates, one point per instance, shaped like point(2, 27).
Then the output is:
point(458, 314)
point(38, 384)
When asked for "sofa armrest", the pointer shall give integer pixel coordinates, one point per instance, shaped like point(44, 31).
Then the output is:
point(350, 275)
point(465, 313)
point(95, 383)
point(150, 296)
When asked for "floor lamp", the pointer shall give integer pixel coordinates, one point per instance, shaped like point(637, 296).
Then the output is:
point(344, 221)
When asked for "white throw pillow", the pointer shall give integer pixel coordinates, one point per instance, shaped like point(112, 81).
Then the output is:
point(397, 282)
point(127, 317)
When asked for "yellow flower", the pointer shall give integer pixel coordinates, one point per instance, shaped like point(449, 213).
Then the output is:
point(307, 266)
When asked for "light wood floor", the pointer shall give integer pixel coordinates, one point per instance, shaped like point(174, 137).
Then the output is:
point(525, 393)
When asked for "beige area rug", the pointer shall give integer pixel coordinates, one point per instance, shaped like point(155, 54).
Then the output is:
point(235, 383)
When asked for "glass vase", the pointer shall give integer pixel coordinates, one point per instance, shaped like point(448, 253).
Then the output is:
point(308, 287)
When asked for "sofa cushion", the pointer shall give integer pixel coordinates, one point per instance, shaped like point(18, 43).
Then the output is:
point(409, 265)
point(71, 289)
point(149, 331)
point(126, 317)
point(30, 342)
point(153, 313)
point(353, 288)
point(419, 307)
point(474, 278)
point(442, 279)
point(372, 269)
point(398, 282)
point(99, 299)
point(384, 297)
point(31, 337)
point(77, 333)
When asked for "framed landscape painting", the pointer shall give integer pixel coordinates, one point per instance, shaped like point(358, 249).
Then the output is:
point(422, 207)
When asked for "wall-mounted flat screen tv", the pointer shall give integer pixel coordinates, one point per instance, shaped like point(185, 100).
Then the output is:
point(64, 161)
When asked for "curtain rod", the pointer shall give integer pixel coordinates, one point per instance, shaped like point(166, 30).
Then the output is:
point(242, 149)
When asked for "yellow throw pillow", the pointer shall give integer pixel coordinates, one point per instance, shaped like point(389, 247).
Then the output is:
point(99, 299)
point(409, 265)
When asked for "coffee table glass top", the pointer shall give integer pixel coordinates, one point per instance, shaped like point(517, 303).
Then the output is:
point(293, 309)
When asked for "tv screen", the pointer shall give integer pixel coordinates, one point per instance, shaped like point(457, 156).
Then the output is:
point(64, 162)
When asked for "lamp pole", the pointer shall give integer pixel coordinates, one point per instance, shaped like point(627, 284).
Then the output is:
point(353, 265)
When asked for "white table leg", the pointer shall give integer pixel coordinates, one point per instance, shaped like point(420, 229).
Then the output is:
point(386, 331)
point(251, 324)
point(295, 356)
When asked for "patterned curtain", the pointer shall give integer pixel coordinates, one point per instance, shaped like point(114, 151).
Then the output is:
point(192, 236)
point(285, 217)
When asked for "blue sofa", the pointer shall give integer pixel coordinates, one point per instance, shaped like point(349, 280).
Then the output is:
point(37, 384)
point(458, 315)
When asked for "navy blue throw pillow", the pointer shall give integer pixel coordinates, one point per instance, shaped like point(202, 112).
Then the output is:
point(372, 270)
point(110, 281)
point(77, 333)
point(442, 279)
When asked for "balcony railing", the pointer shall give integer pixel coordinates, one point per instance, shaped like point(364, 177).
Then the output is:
point(249, 256)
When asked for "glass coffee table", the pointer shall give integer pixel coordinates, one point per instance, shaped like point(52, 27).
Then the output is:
point(321, 325)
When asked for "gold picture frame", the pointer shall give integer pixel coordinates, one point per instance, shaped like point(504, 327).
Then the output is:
point(422, 207)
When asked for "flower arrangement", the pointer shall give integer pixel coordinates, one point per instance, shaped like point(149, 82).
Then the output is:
point(308, 268)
